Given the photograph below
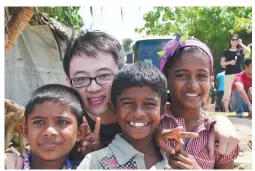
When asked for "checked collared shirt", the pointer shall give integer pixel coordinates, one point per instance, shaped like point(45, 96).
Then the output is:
point(198, 147)
point(119, 155)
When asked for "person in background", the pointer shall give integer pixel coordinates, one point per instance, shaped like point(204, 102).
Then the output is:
point(232, 59)
point(241, 91)
point(220, 91)
point(210, 100)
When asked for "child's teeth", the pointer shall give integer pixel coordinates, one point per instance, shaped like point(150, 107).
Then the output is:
point(191, 95)
point(137, 124)
point(96, 99)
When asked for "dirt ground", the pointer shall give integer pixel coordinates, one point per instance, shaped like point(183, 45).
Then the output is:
point(244, 129)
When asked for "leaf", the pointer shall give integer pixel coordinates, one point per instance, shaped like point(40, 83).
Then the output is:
point(161, 53)
point(68, 15)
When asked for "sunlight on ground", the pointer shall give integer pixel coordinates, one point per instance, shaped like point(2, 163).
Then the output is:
point(230, 114)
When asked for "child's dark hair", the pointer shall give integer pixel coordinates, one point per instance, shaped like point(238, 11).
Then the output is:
point(65, 96)
point(247, 61)
point(178, 53)
point(139, 74)
point(229, 44)
point(92, 44)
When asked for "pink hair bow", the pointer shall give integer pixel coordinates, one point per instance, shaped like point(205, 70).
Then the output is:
point(170, 48)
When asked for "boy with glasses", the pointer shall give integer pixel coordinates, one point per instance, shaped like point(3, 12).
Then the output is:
point(86, 81)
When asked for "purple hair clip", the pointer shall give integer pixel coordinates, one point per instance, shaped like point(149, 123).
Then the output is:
point(168, 50)
point(171, 46)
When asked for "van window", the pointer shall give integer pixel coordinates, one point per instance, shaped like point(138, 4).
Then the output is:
point(146, 50)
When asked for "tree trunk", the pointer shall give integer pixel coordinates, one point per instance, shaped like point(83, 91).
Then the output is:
point(17, 24)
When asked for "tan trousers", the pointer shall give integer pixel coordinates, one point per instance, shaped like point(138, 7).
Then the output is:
point(228, 80)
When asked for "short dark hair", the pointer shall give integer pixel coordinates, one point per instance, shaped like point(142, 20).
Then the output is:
point(63, 95)
point(139, 74)
point(91, 44)
point(247, 61)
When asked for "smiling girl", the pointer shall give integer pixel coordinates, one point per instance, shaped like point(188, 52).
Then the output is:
point(188, 67)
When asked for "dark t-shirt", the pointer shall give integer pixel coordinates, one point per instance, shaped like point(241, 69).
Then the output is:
point(107, 132)
point(230, 55)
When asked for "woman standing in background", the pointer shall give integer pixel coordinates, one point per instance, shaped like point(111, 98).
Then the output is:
point(232, 59)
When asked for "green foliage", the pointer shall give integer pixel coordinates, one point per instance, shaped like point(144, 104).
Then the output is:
point(67, 15)
point(126, 43)
point(212, 25)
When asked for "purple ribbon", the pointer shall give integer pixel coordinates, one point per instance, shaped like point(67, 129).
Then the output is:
point(171, 47)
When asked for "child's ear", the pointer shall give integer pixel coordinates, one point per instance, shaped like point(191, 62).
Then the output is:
point(110, 106)
point(24, 130)
point(82, 130)
point(166, 106)
point(68, 81)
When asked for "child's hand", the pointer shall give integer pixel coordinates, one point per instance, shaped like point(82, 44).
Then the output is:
point(183, 160)
point(91, 142)
point(176, 134)
point(227, 139)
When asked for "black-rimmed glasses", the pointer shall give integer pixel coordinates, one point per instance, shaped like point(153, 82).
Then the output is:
point(86, 81)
